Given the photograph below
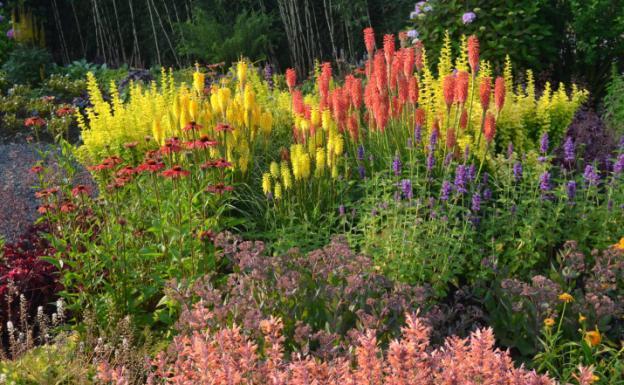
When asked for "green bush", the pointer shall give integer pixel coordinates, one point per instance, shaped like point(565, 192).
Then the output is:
point(614, 103)
point(27, 65)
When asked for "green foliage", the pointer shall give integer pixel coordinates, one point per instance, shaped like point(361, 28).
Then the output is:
point(27, 65)
point(213, 40)
point(614, 103)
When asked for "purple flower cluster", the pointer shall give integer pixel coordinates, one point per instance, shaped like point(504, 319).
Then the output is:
point(571, 189)
point(460, 179)
point(468, 17)
point(396, 165)
point(517, 171)
point(476, 202)
point(406, 188)
point(445, 192)
point(591, 176)
point(545, 181)
point(568, 150)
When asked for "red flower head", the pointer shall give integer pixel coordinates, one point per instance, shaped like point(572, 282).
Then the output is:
point(115, 160)
point(150, 165)
point(379, 72)
point(192, 126)
point(34, 121)
point(65, 111)
point(105, 165)
point(489, 129)
point(68, 207)
point(291, 78)
point(218, 188)
point(369, 40)
point(175, 172)
point(223, 127)
point(419, 117)
point(463, 119)
point(80, 190)
point(46, 193)
point(355, 91)
point(499, 93)
point(403, 36)
point(451, 141)
point(484, 92)
point(473, 54)
point(419, 55)
point(43, 209)
point(461, 87)
point(284, 154)
point(36, 169)
point(449, 90)
point(297, 102)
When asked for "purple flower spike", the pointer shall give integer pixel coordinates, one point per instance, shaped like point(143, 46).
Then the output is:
point(517, 171)
point(466, 153)
point(418, 134)
point(360, 152)
point(544, 143)
point(468, 17)
point(618, 167)
point(362, 172)
point(568, 150)
point(510, 150)
point(545, 181)
point(476, 202)
point(433, 140)
point(571, 189)
point(445, 192)
point(341, 210)
point(590, 175)
point(406, 187)
point(430, 161)
point(396, 165)
point(460, 179)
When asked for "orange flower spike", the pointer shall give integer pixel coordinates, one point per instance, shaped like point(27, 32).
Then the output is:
point(369, 40)
point(461, 87)
point(473, 54)
point(291, 78)
point(448, 86)
point(499, 93)
point(389, 48)
point(489, 129)
point(484, 92)
point(408, 62)
point(418, 55)
point(356, 93)
point(379, 72)
point(413, 90)
point(419, 117)
point(463, 119)
point(451, 140)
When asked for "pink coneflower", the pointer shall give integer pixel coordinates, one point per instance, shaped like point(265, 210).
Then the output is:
point(36, 169)
point(126, 171)
point(202, 143)
point(175, 172)
point(34, 121)
point(219, 163)
point(65, 111)
point(219, 188)
point(150, 165)
point(46, 193)
point(43, 209)
point(105, 165)
point(115, 160)
point(192, 126)
point(80, 190)
point(68, 207)
point(130, 145)
point(223, 127)
point(171, 145)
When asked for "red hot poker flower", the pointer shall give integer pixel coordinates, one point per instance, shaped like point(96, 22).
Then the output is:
point(461, 87)
point(219, 188)
point(489, 129)
point(291, 78)
point(449, 90)
point(369, 40)
point(175, 172)
point(473, 54)
point(484, 92)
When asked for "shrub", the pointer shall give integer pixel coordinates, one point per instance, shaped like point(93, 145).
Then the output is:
point(27, 65)
point(614, 103)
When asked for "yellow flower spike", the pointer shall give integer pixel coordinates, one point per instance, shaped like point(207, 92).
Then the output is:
point(338, 145)
point(549, 322)
point(593, 337)
point(565, 297)
point(266, 183)
point(275, 170)
point(305, 165)
point(582, 318)
point(315, 117)
point(214, 103)
point(157, 131)
point(619, 245)
point(223, 97)
point(278, 190)
point(249, 99)
point(319, 161)
point(334, 171)
point(286, 176)
point(198, 80)
point(193, 109)
point(241, 72)
point(326, 120)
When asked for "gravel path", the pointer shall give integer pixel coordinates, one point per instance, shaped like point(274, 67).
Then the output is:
point(18, 206)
